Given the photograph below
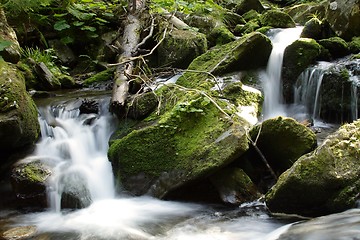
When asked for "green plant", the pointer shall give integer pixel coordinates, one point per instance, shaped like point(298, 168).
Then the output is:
point(186, 7)
point(17, 7)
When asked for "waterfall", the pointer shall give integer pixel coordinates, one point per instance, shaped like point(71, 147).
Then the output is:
point(307, 90)
point(271, 79)
point(75, 145)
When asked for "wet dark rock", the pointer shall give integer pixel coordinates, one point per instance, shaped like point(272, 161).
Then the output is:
point(277, 19)
point(234, 186)
point(344, 18)
point(47, 80)
point(63, 52)
point(75, 193)
point(28, 181)
point(141, 105)
point(297, 57)
point(11, 50)
point(336, 46)
point(89, 106)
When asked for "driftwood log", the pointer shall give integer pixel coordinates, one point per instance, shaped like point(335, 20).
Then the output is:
point(129, 42)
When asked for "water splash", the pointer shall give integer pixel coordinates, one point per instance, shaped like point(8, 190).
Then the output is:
point(271, 79)
point(75, 145)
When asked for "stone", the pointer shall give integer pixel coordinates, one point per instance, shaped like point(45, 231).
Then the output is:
point(277, 19)
point(220, 35)
point(302, 13)
point(344, 17)
point(248, 52)
point(246, 5)
point(19, 126)
point(141, 105)
point(9, 45)
point(63, 52)
point(336, 46)
point(28, 181)
point(180, 47)
point(324, 181)
point(188, 142)
point(234, 186)
point(297, 57)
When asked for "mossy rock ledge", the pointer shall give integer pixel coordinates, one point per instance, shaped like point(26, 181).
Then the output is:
point(190, 141)
point(251, 51)
point(323, 181)
point(19, 125)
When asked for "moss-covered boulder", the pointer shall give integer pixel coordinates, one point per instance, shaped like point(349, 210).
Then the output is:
point(289, 140)
point(220, 35)
point(99, 78)
point(248, 52)
point(180, 47)
point(244, 6)
point(234, 186)
point(344, 18)
point(28, 180)
point(336, 46)
point(141, 105)
point(354, 45)
point(312, 29)
point(191, 140)
point(297, 57)
point(19, 127)
point(9, 46)
point(277, 19)
point(323, 181)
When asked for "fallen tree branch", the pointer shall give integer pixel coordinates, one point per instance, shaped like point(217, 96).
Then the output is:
point(149, 35)
point(261, 154)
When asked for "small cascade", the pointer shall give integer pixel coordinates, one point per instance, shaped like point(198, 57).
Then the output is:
point(271, 79)
point(355, 84)
point(307, 89)
point(75, 145)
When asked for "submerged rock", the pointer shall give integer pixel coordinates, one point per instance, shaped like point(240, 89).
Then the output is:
point(19, 233)
point(75, 193)
point(323, 181)
point(234, 186)
point(28, 181)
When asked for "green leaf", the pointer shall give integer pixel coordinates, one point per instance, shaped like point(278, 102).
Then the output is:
point(78, 23)
point(60, 15)
point(61, 25)
point(101, 20)
point(67, 40)
point(83, 16)
point(88, 28)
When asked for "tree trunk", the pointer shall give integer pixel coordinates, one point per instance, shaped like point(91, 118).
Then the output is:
point(129, 41)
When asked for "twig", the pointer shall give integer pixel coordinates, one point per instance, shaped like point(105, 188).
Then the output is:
point(149, 35)
point(141, 56)
point(261, 155)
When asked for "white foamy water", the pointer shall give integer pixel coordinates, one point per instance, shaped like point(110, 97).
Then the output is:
point(271, 78)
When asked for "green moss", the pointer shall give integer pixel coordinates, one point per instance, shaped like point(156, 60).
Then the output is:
point(336, 46)
point(277, 19)
point(220, 35)
point(17, 108)
point(251, 15)
point(103, 76)
point(34, 172)
point(354, 45)
point(249, 52)
point(180, 47)
point(240, 97)
point(184, 139)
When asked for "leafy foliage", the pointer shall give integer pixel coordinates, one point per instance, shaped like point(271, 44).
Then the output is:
point(186, 7)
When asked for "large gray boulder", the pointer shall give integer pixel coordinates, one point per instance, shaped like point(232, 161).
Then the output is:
point(323, 181)
point(344, 17)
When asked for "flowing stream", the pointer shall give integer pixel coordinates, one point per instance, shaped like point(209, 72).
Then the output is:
point(76, 144)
